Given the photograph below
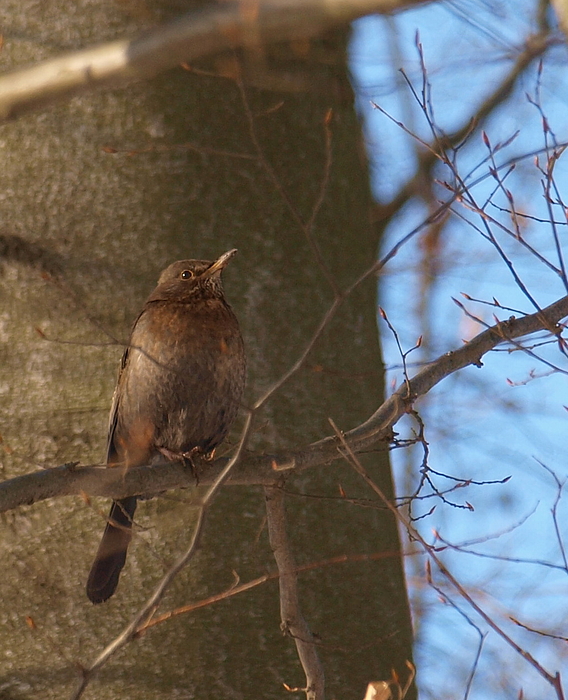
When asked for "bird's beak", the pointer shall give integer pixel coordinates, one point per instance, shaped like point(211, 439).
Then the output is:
point(220, 263)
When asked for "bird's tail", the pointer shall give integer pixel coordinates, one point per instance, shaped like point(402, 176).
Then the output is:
point(111, 554)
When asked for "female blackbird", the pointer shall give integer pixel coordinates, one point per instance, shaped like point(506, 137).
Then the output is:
point(179, 387)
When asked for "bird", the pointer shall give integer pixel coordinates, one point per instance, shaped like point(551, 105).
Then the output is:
point(179, 388)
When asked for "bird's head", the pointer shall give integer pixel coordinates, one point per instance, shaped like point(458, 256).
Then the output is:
point(187, 280)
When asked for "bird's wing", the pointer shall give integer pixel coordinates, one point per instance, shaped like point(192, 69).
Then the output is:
point(113, 417)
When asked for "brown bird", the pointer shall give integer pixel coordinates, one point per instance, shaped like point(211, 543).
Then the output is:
point(179, 387)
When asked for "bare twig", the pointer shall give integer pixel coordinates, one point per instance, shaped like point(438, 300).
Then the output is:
point(482, 636)
point(534, 47)
point(305, 226)
point(554, 680)
point(292, 619)
point(554, 511)
point(541, 633)
point(239, 588)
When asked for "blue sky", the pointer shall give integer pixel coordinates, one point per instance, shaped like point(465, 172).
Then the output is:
point(507, 418)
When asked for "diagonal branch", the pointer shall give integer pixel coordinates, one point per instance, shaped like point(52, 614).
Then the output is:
point(555, 679)
point(215, 28)
point(264, 469)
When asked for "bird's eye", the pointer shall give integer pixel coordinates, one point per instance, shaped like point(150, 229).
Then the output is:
point(186, 275)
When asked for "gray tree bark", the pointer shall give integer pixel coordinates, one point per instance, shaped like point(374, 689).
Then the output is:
point(98, 194)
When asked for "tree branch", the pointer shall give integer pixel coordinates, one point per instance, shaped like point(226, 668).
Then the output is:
point(292, 622)
point(216, 28)
point(264, 469)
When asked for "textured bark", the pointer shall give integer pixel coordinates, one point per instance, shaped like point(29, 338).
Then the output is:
point(99, 194)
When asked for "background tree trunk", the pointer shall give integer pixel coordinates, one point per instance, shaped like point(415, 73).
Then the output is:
point(84, 234)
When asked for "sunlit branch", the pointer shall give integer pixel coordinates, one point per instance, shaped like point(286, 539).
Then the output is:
point(218, 27)
point(534, 47)
point(264, 469)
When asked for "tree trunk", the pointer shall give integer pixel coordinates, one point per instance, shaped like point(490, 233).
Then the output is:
point(98, 195)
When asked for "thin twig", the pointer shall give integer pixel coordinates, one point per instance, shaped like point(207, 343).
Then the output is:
point(305, 226)
point(554, 680)
point(239, 588)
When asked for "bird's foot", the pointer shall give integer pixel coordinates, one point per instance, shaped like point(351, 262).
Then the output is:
point(186, 458)
point(189, 460)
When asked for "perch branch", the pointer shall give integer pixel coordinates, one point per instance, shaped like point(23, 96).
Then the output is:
point(264, 469)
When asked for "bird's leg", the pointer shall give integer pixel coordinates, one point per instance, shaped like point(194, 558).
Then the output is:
point(189, 461)
point(186, 458)
point(170, 455)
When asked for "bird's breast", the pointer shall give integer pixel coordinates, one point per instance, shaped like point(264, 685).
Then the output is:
point(184, 376)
